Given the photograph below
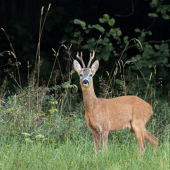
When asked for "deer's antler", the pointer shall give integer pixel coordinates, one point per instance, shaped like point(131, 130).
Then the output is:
point(91, 58)
point(81, 59)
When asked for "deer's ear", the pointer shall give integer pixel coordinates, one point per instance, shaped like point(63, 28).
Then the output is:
point(77, 66)
point(94, 67)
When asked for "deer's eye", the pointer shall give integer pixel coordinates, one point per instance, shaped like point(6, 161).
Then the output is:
point(90, 75)
point(81, 75)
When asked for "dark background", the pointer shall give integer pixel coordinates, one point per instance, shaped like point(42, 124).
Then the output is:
point(21, 20)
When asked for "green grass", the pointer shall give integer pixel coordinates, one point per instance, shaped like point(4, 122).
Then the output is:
point(44, 137)
point(79, 155)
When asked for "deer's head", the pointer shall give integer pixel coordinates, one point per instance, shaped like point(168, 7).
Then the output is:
point(86, 74)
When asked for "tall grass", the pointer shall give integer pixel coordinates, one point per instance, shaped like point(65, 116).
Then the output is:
point(64, 142)
point(73, 154)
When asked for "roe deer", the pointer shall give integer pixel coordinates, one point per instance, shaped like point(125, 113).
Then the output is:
point(104, 115)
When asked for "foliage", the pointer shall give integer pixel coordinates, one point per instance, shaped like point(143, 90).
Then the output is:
point(115, 29)
point(21, 118)
point(160, 8)
point(149, 58)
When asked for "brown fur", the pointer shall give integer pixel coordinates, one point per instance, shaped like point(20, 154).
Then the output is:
point(105, 115)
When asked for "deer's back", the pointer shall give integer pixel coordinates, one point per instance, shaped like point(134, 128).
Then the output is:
point(117, 113)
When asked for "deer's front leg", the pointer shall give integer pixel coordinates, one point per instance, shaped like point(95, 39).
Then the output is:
point(96, 141)
point(105, 139)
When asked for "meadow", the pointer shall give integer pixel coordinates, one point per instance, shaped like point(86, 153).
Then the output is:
point(52, 137)
point(73, 154)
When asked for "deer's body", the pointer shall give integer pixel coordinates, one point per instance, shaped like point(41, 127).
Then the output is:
point(116, 114)
point(105, 115)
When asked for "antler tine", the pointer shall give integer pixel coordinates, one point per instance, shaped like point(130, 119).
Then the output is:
point(81, 59)
point(91, 58)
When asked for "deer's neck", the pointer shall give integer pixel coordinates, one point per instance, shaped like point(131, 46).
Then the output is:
point(89, 97)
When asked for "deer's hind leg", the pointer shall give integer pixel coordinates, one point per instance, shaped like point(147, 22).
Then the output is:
point(105, 139)
point(151, 139)
point(139, 135)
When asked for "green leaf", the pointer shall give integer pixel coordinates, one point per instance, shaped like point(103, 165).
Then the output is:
point(105, 55)
point(101, 29)
point(115, 53)
point(165, 16)
point(138, 57)
point(137, 30)
point(101, 20)
point(165, 60)
point(73, 41)
point(154, 2)
point(98, 27)
point(125, 39)
point(149, 32)
point(106, 17)
point(164, 47)
point(77, 34)
point(154, 15)
point(66, 85)
point(103, 42)
point(133, 59)
point(91, 44)
point(84, 28)
point(98, 57)
point(87, 31)
point(109, 47)
point(118, 81)
point(79, 22)
point(89, 26)
point(143, 34)
point(148, 46)
point(119, 33)
point(150, 66)
point(156, 46)
point(111, 31)
point(111, 22)
point(92, 40)
point(72, 71)
point(106, 39)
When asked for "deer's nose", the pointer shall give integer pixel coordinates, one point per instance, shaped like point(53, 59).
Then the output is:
point(85, 81)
